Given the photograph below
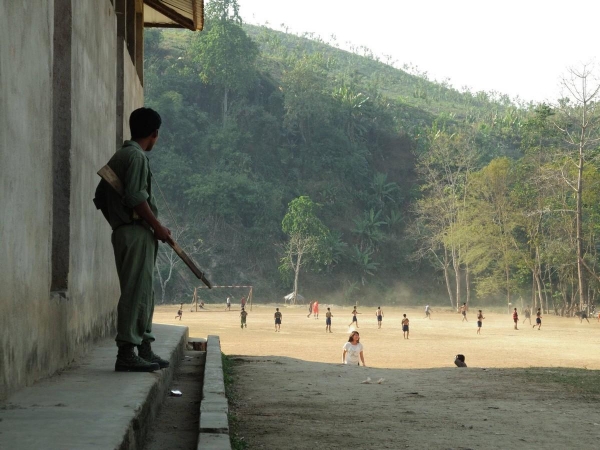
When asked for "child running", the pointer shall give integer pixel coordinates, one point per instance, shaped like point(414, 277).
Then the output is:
point(328, 317)
point(427, 312)
point(354, 318)
point(180, 312)
point(538, 319)
point(527, 313)
point(277, 320)
point(516, 318)
point(405, 326)
point(310, 306)
point(479, 321)
point(243, 315)
point(379, 314)
point(463, 311)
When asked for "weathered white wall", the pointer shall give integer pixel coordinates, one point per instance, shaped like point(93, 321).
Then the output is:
point(134, 92)
point(28, 318)
point(42, 332)
point(93, 284)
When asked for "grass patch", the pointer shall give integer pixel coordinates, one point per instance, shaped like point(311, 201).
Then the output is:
point(237, 442)
point(578, 381)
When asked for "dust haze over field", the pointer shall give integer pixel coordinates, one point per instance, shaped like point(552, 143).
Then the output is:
point(523, 388)
point(561, 342)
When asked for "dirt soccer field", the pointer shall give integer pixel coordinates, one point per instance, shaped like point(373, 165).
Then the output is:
point(293, 393)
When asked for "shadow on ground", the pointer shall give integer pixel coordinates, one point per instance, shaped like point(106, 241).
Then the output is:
point(281, 402)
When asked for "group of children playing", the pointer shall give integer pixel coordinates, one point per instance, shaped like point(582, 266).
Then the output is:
point(515, 315)
point(314, 310)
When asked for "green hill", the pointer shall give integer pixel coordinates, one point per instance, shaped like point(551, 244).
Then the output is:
point(301, 118)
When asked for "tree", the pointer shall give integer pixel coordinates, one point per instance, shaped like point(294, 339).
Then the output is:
point(580, 125)
point(307, 238)
point(369, 230)
point(224, 53)
point(168, 261)
point(445, 168)
point(490, 226)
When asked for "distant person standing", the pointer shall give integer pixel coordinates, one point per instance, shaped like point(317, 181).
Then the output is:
point(243, 316)
point(379, 315)
point(352, 354)
point(538, 319)
point(516, 318)
point(463, 311)
point(310, 308)
point(427, 312)
point(354, 318)
point(479, 321)
point(243, 302)
point(527, 314)
point(315, 309)
point(328, 317)
point(180, 312)
point(228, 306)
point(405, 326)
point(278, 316)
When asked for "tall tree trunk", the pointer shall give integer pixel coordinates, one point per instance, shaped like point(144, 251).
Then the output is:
point(296, 275)
point(447, 278)
point(468, 283)
point(507, 271)
point(533, 287)
point(456, 267)
point(580, 271)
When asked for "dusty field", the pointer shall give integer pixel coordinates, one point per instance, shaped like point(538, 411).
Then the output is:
point(292, 393)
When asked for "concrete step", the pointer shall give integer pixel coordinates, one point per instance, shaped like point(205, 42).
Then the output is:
point(89, 405)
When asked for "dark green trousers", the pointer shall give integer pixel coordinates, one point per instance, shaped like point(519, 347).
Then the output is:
point(135, 254)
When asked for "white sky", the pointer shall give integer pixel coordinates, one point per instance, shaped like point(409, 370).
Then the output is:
point(520, 48)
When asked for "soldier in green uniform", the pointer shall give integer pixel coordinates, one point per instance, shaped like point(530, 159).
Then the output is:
point(136, 232)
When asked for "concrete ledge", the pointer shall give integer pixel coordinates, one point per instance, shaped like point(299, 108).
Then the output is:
point(214, 422)
point(210, 441)
point(90, 406)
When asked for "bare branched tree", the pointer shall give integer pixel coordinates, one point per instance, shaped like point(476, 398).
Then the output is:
point(579, 122)
point(167, 261)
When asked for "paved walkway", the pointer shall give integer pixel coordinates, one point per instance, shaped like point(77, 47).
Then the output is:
point(90, 406)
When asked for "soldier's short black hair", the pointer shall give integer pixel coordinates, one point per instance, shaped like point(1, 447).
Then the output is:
point(143, 122)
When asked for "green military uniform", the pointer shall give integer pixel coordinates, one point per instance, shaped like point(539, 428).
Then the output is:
point(134, 244)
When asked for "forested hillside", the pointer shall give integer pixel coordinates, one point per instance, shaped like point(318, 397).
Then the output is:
point(286, 161)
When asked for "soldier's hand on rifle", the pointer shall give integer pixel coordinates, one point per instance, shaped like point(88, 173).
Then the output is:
point(163, 234)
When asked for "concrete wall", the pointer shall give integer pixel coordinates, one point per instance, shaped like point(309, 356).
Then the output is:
point(27, 314)
point(93, 284)
point(42, 185)
point(133, 90)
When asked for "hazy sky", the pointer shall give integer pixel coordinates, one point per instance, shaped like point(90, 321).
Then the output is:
point(520, 48)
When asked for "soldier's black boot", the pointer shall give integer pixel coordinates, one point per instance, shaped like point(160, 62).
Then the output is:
point(145, 352)
point(128, 361)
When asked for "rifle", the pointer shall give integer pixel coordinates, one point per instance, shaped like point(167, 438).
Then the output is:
point(108, 175)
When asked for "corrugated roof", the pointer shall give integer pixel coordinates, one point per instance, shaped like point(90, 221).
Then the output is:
point(174, 14)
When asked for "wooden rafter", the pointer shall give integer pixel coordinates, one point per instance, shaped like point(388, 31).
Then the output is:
point(185, 22)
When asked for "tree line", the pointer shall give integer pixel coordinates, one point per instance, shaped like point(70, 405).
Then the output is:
point(392, 178)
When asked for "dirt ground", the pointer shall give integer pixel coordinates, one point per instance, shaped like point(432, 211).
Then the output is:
point(292, 392)
point(176, 425)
